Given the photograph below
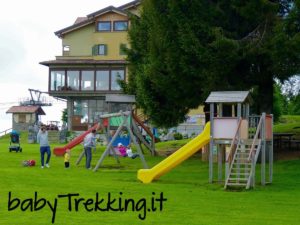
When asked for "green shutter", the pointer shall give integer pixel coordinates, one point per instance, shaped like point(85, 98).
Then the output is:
point(105, 50)
point(95, 50)
point(122, 50)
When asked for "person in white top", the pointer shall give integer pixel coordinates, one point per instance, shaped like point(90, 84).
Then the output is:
point(42, 139)
point(89, 142)
point(130, 154)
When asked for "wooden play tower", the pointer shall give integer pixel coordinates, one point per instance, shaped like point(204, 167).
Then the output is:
point(239, 139)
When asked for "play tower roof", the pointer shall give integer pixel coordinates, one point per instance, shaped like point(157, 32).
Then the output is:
point(229, 97)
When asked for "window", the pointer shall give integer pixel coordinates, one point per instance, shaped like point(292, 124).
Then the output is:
point(120, 25)
point(87, 80)
point(104, 26)
point(88, 109)
point(100, 49)
point(99, 79)
point(102, 80)
point(66, 50)
point(73, 80)
point(122, 49)
point(22, 118)
point(115, 76)
point(57, 82)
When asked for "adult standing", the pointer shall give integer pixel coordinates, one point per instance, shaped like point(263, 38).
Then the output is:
point(89, 142)
point(42, 139)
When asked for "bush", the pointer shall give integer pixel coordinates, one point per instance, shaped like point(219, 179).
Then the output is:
point(178, 136)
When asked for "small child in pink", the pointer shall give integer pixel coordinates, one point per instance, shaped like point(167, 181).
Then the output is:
point(122, 149)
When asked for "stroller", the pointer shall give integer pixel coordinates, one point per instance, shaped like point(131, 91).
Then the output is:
point(14, 144)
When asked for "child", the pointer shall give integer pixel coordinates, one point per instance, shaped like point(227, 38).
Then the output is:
point(122, 149)
point(130, 154)
point(67, 156)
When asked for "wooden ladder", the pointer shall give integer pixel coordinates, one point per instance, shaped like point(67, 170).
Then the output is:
point(241, 168)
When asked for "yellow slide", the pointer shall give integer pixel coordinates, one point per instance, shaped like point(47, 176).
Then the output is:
point(147, 175)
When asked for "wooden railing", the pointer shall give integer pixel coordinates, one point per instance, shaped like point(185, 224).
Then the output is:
point(5, 131)
point(258, 131)
point(233, 143)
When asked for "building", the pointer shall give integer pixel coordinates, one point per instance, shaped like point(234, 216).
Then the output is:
point(92, 62)
point(25, 116)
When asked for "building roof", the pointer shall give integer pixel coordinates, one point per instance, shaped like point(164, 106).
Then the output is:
point(120, 98)
point(106, 10)
point(130, 5)
point(75, 26)
point(228, 97)
point(26, 109)
point(80, 19)
point(83, 21)
point(82, 62)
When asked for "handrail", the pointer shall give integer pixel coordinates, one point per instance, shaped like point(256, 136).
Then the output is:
point(229, 156)
point(5, 131)
point(258, 130)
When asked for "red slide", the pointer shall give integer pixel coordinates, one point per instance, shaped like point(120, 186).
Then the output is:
point(60, 151)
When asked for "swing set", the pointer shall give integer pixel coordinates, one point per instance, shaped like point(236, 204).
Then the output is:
point(114, 124)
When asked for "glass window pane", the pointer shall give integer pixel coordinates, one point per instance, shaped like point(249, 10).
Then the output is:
point(104, 26)
point(115, 76)
point(102, 80)
point(57, 80)
point(87, 80)
point(101, 49)
point(121, 25)
point(78, 107)
point(81, 109)
point(73, 80)
point(92, 110)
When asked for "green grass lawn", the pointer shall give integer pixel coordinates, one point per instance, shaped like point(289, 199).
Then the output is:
point(288, 124)
point(190, 198)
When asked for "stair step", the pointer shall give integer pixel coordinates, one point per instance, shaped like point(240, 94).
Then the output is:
point(238, 179)
point(242, 148)
point(241, 174)
point(245, 154)
point(249, 141)
point(241, 168)
point(242, 163)
point(241, 158)
point(236, 184)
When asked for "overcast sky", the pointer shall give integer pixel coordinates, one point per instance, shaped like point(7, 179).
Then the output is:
point(27, 38)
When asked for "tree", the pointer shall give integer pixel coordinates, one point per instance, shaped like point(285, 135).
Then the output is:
point(181, 50)
point(294, 105)
point(64, 116)
point(279, 102)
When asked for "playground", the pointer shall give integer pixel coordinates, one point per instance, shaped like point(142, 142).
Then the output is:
point(189, 195)
point(156, 189)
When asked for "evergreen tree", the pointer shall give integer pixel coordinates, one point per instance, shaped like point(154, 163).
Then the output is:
point(183, 49)
point(64, 116)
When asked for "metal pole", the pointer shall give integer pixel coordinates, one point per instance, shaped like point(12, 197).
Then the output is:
point(105, 153)
point(263, 153)
point(211, 143)
point(271, 154)
point(220, 154)
point(138, 148)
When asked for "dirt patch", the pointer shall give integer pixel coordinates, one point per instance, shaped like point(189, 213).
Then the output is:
point(287, 155)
